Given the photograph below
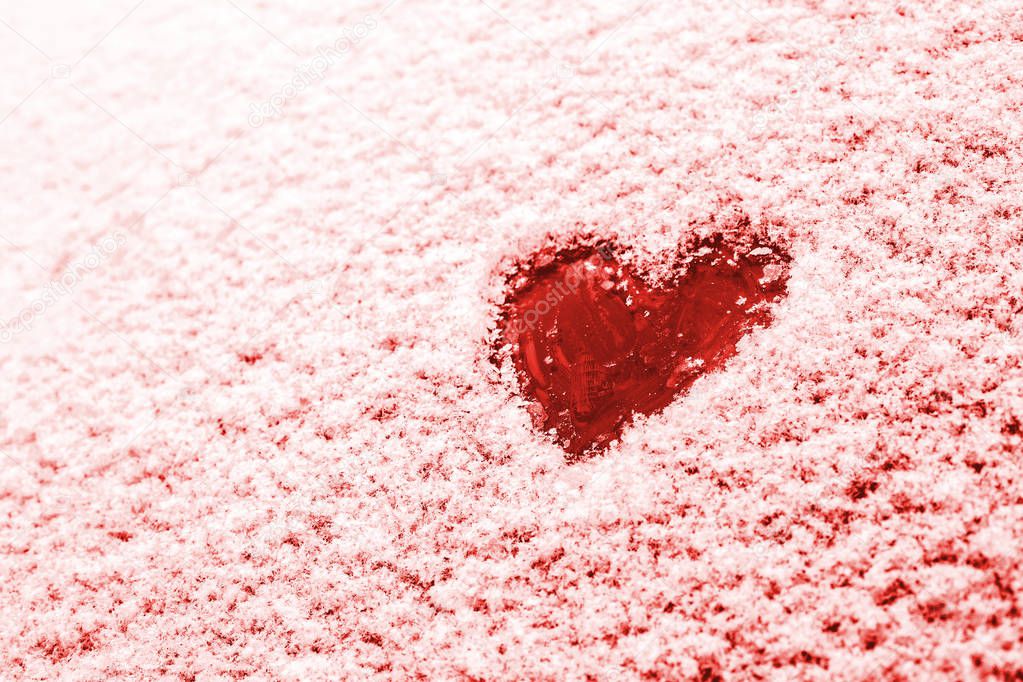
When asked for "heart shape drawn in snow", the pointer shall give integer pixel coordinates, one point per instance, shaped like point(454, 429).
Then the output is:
point(592, 343)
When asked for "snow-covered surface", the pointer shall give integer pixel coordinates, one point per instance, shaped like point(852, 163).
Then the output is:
point(249, 424)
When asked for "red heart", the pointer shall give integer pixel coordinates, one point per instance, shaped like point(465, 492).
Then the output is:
point(592, 343)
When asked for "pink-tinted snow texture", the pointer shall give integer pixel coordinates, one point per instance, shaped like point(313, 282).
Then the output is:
point(252, 431)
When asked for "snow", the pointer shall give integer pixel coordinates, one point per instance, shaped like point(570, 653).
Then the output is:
point(262, 437)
